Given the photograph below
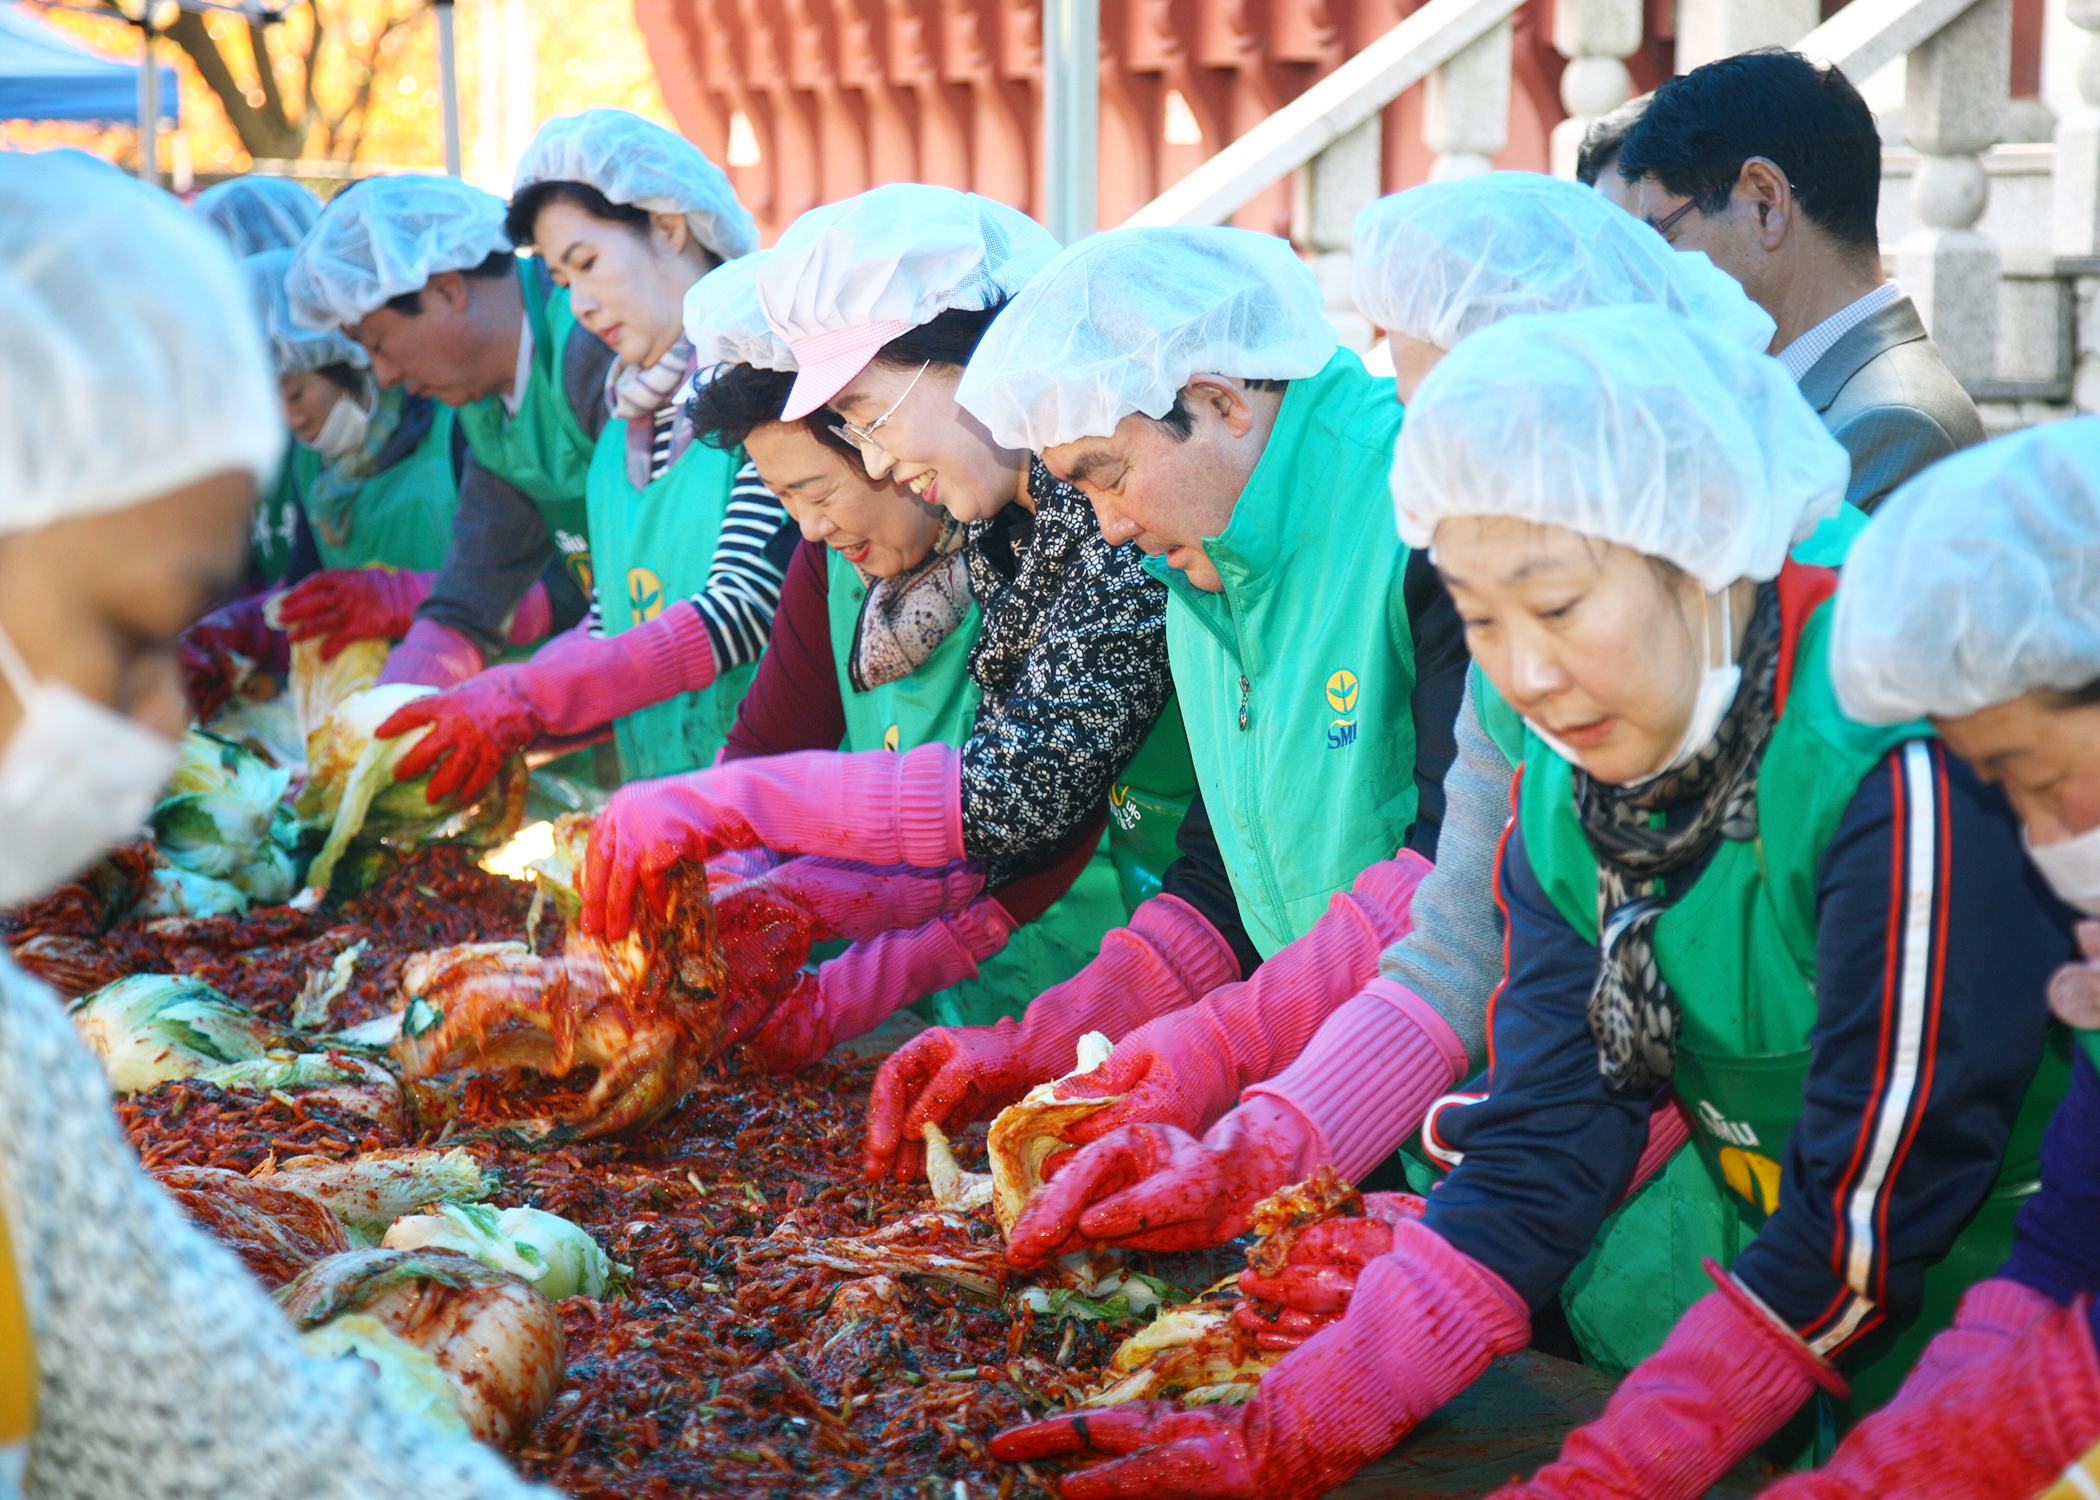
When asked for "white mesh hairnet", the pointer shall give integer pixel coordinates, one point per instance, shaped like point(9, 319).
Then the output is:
point(1446, 259)
point(902, 253)
point(1978, 581)
point(1628, 424)
point(386, 236)
point(130, 359)
point(725, 323)
point(294, 350)
point(637, 162)
point(258, 213)
point(1119, 323)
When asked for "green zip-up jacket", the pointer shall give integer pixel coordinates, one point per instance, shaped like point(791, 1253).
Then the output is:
point(1304, 685)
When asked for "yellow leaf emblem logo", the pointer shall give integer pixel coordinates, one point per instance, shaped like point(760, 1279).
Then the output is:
point(645, 594)
point(1341, 692)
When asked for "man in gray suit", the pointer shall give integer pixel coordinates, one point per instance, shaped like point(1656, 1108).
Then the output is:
point(1772, 166)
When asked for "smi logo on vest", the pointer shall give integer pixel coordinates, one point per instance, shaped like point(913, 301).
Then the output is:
point(1341, 697)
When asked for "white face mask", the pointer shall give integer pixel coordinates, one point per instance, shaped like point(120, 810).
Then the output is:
point(75, 779)
point(1717, 689)
point(2072, 868)
point(344, 431)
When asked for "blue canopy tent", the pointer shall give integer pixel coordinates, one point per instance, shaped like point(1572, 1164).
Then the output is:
point(47, 76)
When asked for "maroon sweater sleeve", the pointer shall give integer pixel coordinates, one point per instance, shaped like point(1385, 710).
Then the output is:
point(794, 702)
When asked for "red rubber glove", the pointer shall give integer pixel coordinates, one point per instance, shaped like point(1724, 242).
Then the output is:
point(1187, 1067)
point(431, 655)
point(1319, 1278)
point(1727, 1378)
point(2001, 1429)
point(344, 605)
point(862, 902)
point(875, 807)
point(950, 1075)
point(852, 994)
point(1425, 1322)
point(1156, 1187)
point(575, 684)
point(219, 651)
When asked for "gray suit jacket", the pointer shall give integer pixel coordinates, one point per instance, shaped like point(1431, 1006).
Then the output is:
point(1889, 399)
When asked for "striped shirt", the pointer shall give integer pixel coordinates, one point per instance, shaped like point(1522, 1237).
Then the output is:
point(750, 562)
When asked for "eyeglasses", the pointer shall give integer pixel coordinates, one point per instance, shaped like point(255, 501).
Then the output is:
point(1670, 220)
point(864, 438)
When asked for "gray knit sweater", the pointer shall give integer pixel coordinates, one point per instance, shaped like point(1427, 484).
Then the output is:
point(164, 1369)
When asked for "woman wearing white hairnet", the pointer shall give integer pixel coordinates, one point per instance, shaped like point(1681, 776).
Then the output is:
point(137, 1357)
point(256, 214)
point(688, 547)
point(1973, 601)
point(1817, 930)
point(384, 496)
point(1433, 265)
point(882, 299)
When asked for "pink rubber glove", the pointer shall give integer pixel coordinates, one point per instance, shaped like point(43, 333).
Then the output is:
point(575, 684)
point(1186, 1068)
point(224, 647)
point(1156, 1187)
point(950, 1075)
point(1319, 1276)
point(1726, 1379)
point(2000, 1429)
point(876, 807)
point(431, 655)
point(344, 605)
point(860, 902)
point(855, 992)
point(1425, 1321)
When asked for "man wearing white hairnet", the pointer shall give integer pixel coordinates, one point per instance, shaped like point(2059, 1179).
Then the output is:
point(420, 271)
point(382, 497)
point(1973, 601)
point(137, 1356)
point(1433, 265)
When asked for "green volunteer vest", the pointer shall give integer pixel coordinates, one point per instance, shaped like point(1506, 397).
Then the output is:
point(543, 450)
point(652, 548)
point(937, 704)
point(402, 516)
point(277, 510)
point(1738, 949)
point(1146, 805)
point(1295, 682)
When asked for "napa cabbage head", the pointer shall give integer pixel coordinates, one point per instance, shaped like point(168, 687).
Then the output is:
point(559, 1259)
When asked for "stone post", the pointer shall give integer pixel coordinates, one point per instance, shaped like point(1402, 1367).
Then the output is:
point(1595, 36)
point(1707, 29)
point(1465, 107)
point(1954, 109)
point(1328, 193)
point(2076, 185)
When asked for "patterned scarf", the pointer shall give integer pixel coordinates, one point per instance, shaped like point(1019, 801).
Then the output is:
point(904, 619)
point(1046, 550)
point(1632, 1013)
point(334, 491)
point(637, 393)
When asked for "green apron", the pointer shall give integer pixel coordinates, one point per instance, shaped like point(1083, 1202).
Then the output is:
point(543, 450)
point(402, 516)
point(275, 523)
point(1738, 950)
point(654, 547)
point(1146, 805)
point(937, 704)
point(1296, 680)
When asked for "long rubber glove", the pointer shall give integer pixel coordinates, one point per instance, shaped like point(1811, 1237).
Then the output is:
point(2000, 1429)
point(576, 683)
point(218, 651)
point(949, 1075)
point(341, 606)
point(854, 993)
point(1425, 1321)
point(431, 655)
point(1187, 1067)
point(1156, 1187)
point(1317, 1280)
point(1727, 1378)
point(876, 807)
